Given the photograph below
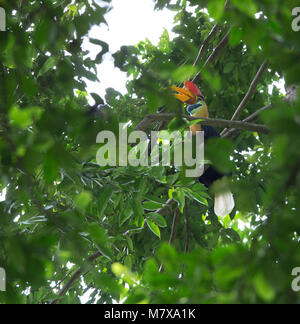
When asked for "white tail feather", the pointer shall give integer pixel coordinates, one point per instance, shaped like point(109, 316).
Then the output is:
point(224, 204)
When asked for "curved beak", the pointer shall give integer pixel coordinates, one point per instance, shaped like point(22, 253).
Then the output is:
point(184, 95)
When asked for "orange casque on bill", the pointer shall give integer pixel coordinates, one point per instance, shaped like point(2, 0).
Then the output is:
point(189, 94)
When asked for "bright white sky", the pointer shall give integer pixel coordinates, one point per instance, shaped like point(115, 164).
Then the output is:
point(2, 195)
point(129, 22)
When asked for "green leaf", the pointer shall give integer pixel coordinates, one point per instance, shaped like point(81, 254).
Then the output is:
point(157, 172)
point(130, 243)
point(196, 196)
point(138, 211)
point(158, 219)
point(103, 199)
point(24, 118)
point(228, 67)
point(29, 86)
point(248, 7)
point(216, 9)
point(218, 150)
point(99, 237)
point(151, 205)
point(107, 284)
point(105, 49)
point(164, 42)
point(83, 200)
point(236, 35)
point(184, 73)
point(171, 179)
point(153, 227)
point(34, 220)
point(129, 261)
point(97, 233)
point(97, 98)
point(213, 241)
point(263, 288)
point(179, 197)
point(49, 64)
point(125, 214)
point(176, 123)
point(212, 78)
point(169, 257)
point(233, 234)
point(194, 122)
point(124, 273)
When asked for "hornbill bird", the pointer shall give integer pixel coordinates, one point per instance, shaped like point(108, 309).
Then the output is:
point(197, 107)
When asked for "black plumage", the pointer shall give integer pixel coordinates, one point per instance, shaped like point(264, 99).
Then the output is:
point(211, 174)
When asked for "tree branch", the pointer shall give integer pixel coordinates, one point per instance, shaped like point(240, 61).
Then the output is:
point(75, 277)
point(252, 118)
point(145, 123)
point(163, 210)
point(208, 121)
point(251, 90)
point(290, 97)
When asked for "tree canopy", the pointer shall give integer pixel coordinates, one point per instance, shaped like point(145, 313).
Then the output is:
point(69, 227)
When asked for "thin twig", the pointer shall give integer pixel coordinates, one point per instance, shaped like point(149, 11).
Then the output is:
point(254, 116)
point(208, 38)
point(250, 93)
point(173, 232)
point(205, 44)
point(227, 4)
point(174, 226)
point(187, 224)
point(217, 50)
point(167, 205)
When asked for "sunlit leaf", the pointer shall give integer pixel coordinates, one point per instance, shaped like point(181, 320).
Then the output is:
point(153, 227)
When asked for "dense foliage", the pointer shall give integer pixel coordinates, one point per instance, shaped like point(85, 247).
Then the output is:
point(109, 227)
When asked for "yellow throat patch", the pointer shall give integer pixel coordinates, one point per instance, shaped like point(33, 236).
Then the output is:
point(201, 112)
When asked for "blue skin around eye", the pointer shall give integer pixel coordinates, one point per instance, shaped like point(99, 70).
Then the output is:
point(191, 108)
